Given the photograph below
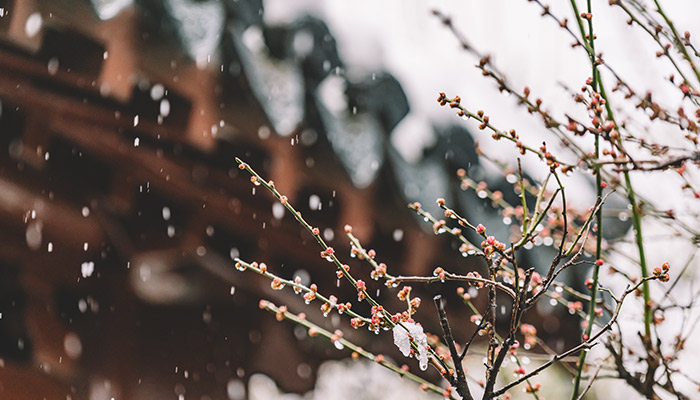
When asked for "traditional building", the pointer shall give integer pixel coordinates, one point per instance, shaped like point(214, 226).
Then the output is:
point(122, 207)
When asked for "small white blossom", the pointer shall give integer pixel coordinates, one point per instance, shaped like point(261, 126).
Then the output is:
point(402, 341)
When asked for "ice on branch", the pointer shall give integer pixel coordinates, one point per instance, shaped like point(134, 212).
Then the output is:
point(402, 341)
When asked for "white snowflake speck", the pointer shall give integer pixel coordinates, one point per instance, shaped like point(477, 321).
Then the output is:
point(87, 268)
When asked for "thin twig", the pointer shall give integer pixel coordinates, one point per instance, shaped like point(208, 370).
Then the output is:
point(460, 381)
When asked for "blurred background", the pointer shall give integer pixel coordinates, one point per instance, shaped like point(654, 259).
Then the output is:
point(121, 205)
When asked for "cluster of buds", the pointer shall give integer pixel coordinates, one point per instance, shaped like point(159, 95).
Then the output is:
point(521, 147)
point(574, 306)
point(485, 123)
point(439, 226)
point(377, 319)
point(514, 347)
point(415, 206)
point(355, 252)
point(455, 102)
point(329, 305)
point(311, 295)
point(448, 392)
point(377, 315)
point(517, 211)
point(532, 389)
point(466, 248)
point(328, 254)
point(689, 125)
point(402, 317)
point(610, 128)
point(298, 288)
point(442, 98)
point(475, 275)
point(596, 106)
point(378, 272)
point(486, 330)
point(654, 109)
point(530, 334)
point(549, 158)
point(415, 303)
point(361, 289)
point(662, 272)
point(444, 355)
point(404, 293)
point(342, 307)
point(463, 294)
point(573, 126)
point(491, 244)
point(277, 284)
point(611, 153)
point(357, 322)
point(440, 273)
point(340, 274)
point(337, 335)
point(279, 315)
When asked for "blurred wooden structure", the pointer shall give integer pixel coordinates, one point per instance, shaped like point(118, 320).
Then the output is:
point(121, 208)
point(119, 218)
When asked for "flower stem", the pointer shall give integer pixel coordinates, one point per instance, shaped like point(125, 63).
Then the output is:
point(595, 84)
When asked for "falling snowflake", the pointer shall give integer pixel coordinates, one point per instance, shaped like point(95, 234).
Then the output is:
point(87, 268)
point(409, 330)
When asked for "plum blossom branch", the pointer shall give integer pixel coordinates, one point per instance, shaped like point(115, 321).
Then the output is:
point(282, 313)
